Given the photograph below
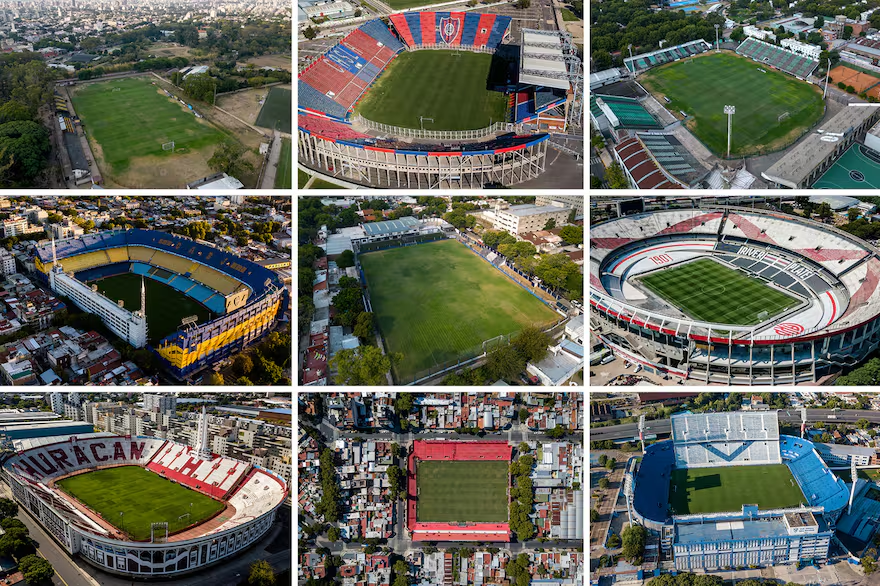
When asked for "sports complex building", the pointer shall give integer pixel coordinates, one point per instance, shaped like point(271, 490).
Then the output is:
point(781, 300)
point(546, 88)
point(464, 528)
point(172, 543)
point(697, 493)
point(243, 298)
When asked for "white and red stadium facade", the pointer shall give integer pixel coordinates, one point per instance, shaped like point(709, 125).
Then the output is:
point(834, 275)
point(252, 496)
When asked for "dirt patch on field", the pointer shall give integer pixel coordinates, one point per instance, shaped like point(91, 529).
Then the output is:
point(280, 61)
point(246, 105)
point(171, 50)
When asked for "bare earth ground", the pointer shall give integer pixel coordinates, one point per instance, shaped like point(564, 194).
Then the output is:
point(164, 49)
point(280, 61)
point(246, 105)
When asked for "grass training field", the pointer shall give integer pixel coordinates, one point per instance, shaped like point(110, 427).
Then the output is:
point(437, 301)
point(713, 490)
point(127, 128)
point(701, 87)
point(448, 86)
point(142, 496)
point(284, 173)
point(276, 110)
point(165, 306)
point(709, 291)
point(451, 492)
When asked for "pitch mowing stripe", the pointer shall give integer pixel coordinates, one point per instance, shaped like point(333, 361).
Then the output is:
point(730, 300)
point(726, 488)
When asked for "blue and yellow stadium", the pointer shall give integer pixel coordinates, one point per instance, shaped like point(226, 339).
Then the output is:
point(246, 296)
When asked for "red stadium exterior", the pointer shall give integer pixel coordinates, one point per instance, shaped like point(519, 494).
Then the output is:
point(452, 451)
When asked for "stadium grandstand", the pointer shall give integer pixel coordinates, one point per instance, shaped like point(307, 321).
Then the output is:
point(361, 152)
point(777, 57)
point(640, 168)
point(829, 311)
point(737, 533)
point(251, 496)
point(622, 112)
point(244, 297)
point(640, 63)
point(452, 451)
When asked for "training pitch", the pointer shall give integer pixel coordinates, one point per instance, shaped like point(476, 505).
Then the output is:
point(166, 306)
point(701, 86)
point(727, 488)
point(709, 291)
point(284, 172)
point(458, 492)
point(447, 86)
point(438, 300)
point(276, 110)
point(142, 497)
point(127, 128)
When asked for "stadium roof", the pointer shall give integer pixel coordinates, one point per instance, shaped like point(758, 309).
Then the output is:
point(625, 112)
point(541, 61)
point(601, 78)
point(837, 202)
point(528, 209)
point(793, 169)
point(740, 529)
point(390, 226)
point(641, 167)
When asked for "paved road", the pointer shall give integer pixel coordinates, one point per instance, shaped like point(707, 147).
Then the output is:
point(272, 163)
point(664, 426)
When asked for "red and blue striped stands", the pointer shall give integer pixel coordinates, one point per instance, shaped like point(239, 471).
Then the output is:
point(456, 29)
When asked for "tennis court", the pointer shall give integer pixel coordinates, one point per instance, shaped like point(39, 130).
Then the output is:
point(858, 168)
point(859, 80)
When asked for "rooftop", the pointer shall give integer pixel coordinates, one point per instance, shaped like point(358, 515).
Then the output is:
point(528, 209)
point(390, 226)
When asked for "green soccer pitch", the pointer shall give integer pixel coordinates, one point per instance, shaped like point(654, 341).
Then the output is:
point(708, 291)
point(142, 497)
point(166, 306)
point(438, 300)
point(453, 492)
point(136, 121)
point(284, 172)
point(714, 490)
point(276, 110)
point(702, 86)
point(448, 86)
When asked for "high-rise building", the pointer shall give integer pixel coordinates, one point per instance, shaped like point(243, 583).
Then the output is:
point(56, 400)
point(161, 401)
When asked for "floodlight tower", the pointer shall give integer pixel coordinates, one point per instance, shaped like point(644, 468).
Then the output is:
point(853, 474)
point(717, 50)
point(628, 490)
point(827, 75)
point(642, 431)
point(730, 111)
point(803, 421)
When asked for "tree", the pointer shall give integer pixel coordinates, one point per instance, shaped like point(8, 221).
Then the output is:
point(820, 21)
point(557, 432)
point(345, 260)
point(229, 158)
point(861, 424)
point(270, 372)
point(400, 570)
point(13, 110)
point(613, 541)
point(24, 146)
point(215, 379)
point(35, 569)
point(523, 447)
point(349, 283)
point(594, 516)
point(737, 34)
point(615, 178)
point(404, 403)
point(8, 508)
point(853, 214)
point(11, 522)
point(242, 365)
point(396, 451)
point(523, 414)
point(634, 538)
point(243, 381)
point(524, 4)
point(15, 542)
point(261, 574)
point(333, 534)
point(310, 33)
point(825, 210)
point(604, 483)
point(572, 234)
point(609, 465)
point(365, 365)
point(550, 224)
point(602, 459)
point(847, 32)
point(531, 344)
point(363, 327)
point(505, 363)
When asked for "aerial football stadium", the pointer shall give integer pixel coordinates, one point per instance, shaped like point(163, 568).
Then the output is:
point(438, 100)
point(222, 302)
point(144, 507)
point(728, 490)
point(734, 295)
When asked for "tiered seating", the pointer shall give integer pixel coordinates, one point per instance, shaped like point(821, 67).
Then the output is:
point(470, 29)
point(372, 50)
point(83, 261)
point(199, 292)
point(118, 254)
point(260, 492)
point(63, 458)
point(175, 264)
point(216, 303)
point(213, 477)
point(102, 272)
point(522, 106)
point(216, 280)
point(346, 58)
point(665, 55)
point(833, 252)
point(819, 485)
point(725, 438)
point(610, 235)
point(651, 492)
point(182, 284)
point(377, 30)
point(140, 268)
point(311, 99)
point(140, 253)
point(789, 62)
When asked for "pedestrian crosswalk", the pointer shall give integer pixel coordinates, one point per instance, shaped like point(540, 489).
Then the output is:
point(595, 160)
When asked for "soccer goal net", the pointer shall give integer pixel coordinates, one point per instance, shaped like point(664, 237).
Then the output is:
point(168, 146)
point(782, 117)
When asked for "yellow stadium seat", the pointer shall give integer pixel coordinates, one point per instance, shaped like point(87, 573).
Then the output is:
point(84, 261)
point(140, 253)
point(118, 254)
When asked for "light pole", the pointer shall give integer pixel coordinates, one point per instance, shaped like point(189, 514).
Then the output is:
point(716, 39)
point(122, 522)
point(827, 75)
point(631, 58)
point(730, 111)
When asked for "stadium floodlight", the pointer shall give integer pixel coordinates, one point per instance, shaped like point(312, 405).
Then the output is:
point(827, 75)
point(189, 320)
point(730, 111)
point(716, 38)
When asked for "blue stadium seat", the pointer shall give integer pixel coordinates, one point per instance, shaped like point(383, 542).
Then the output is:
point(378, 30)
point(819, 485)
point(309, 97)
point(469, 32)
point(652, 481)
point(346, 58)
point(118, 268)
point(413, 19)
point(139, 268)
point(215, 303)
point(182, 284)
point(498, 29)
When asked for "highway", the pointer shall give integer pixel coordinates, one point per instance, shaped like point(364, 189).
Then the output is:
point(791, 416)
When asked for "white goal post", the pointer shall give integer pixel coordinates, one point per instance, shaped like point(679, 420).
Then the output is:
point(168, 146)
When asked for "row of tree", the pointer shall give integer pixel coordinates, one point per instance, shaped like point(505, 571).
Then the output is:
point(522, 496)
